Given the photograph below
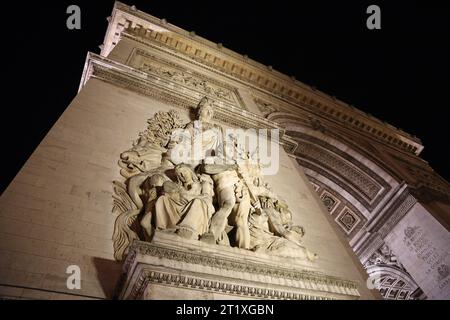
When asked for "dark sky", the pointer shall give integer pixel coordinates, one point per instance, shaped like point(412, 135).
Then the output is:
point(399, 74)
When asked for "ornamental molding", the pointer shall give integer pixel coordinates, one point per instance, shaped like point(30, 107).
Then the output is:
point(394, 213)
point(398, 214)
point(141, 82)
point(197, 283)
point(152, 249)
point(148, 29)
point(347, 172)
point(348, 220)
point(206, 86)
point(360, 142)
point(140, 271)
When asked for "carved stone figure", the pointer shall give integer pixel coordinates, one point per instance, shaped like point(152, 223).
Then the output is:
point(146, 153)
point(198, 141)
point(214, 194)
point(384, 256)
point(271, 231)
point(152, 187)
point(233, 194)
point(140, 191)
point(184, 206)
point(233, 201)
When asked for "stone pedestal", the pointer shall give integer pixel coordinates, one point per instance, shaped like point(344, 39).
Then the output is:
point(170, 267)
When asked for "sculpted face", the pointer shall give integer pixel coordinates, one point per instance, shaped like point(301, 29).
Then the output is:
point(206, 113)
point(184, 174)
point(385, 250)
point(285, 213)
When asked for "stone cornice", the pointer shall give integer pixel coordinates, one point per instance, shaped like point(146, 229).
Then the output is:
point(195, 259)
point(148, 28)
point(121, 75)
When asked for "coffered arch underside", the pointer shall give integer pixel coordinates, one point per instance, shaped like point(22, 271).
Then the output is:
point(393, 283)
point(351, 185)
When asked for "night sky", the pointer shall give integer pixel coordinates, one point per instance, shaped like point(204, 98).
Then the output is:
point(399, 74)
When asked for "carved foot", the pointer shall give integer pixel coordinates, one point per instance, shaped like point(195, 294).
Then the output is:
point(185, 233)
point(208, 238)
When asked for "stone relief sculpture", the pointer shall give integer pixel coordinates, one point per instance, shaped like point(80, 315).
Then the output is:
point(233, 203)
point(384, 256)
point(186, 79)
point(271, 227)
point(185, 206)
point(215, 194)
point(147, 150)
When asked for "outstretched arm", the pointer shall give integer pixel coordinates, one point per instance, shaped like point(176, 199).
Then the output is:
point(275, 224)
point(218, 168)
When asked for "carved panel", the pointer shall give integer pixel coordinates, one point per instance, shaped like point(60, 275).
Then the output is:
point(348, 220)
point(205, 86)
point(394, 288)
point(341, 203)
point(168, 188)
point(399, 209)
point(331, 202)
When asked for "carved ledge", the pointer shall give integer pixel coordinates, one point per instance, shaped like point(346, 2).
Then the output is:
point(139, 81)
point(177, 263)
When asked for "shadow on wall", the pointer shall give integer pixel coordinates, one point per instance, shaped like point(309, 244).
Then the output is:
point(108, 274)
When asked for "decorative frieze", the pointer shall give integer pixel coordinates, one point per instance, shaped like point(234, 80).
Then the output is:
point(181, 97)
point(398, 210)
point(222, 270)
